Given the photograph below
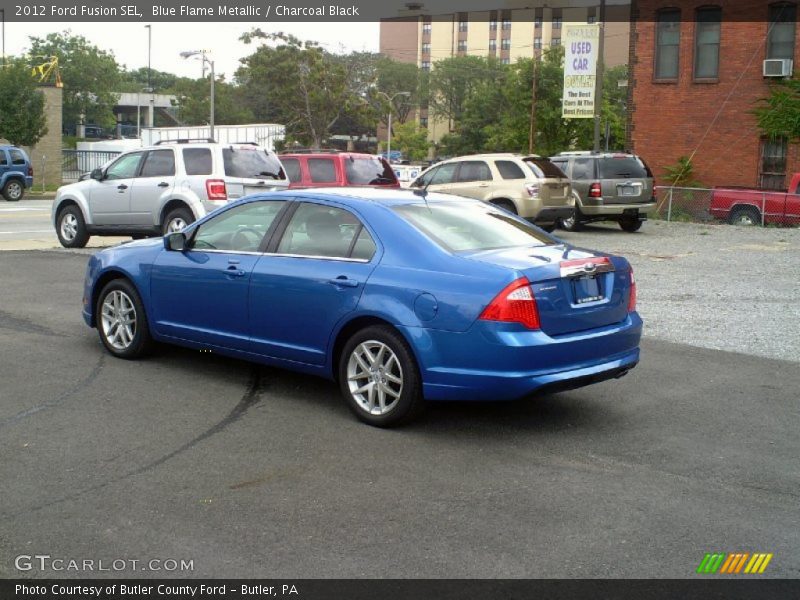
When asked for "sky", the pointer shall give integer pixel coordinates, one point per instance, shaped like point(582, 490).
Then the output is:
point(128, 42)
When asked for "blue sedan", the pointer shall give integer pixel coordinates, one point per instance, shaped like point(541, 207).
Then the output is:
point(399, 296)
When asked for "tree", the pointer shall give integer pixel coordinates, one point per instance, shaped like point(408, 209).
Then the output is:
point(453, 80)
point(411, 140)
point(393, 78)
point(779, 113)
point(194, 102)
point(300, 85)
point(91, 76)
point(22, 118)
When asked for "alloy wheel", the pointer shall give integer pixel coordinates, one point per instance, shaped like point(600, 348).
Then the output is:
point(118, 319)
point(374, 377)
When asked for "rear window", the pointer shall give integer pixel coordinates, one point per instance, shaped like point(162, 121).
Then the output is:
point(544, 168)
point(292, 168)
point(509, 169)
point(470, 227)
point(322, 170)
point(251, 163)
point(623, 167)
point(17, 157)
point(369, 171)
point(197, 161)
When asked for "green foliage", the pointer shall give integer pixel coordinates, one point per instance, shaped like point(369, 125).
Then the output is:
point(454, 80)
point(393, 79)
point(193, 98)
point(91, 76)
point(681, 174)
point(22, 118)
point(411, 140)
point(302, 86)
point(779, 114)
point(160, 81)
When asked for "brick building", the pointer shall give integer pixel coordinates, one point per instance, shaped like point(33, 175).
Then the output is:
point(697, 72)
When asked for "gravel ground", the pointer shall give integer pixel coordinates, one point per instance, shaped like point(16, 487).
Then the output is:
point(713, 286)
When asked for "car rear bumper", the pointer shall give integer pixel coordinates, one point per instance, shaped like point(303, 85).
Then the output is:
point(616, 209)
point(551, 214)
point(498, 361)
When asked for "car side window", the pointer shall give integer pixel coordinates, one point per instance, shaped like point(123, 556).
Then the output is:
point(124, 167)
point(509, 169)
point(445, 174)
point(3, 159)
point(426, 178)
point(474, 170)
point(322, 170)
point(197, 161)
point(17, 157)
point(583, 168)
point(158, 163)
point(240, 229)
point(325, 231)
point(292, 168)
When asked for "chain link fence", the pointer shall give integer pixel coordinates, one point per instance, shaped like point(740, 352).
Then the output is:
point(727, 205)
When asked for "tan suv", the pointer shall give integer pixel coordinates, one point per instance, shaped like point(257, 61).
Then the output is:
point(530, 186)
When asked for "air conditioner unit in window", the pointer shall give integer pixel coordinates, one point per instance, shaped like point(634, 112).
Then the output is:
point(778, 67)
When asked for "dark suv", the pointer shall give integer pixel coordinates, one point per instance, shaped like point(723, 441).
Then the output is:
point(608, 186)
point(335, 169)
point(16, 172)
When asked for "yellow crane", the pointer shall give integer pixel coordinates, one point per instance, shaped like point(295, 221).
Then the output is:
point(47, 70)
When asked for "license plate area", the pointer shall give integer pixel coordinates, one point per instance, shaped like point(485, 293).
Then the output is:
point(587, 288)
point(630, 190)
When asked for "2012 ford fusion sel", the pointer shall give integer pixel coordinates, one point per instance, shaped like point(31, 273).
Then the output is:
point(401, 297)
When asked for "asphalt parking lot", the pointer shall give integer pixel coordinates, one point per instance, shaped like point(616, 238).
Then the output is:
point(254, 472)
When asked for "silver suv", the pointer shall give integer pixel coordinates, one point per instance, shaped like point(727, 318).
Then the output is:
point(530, 186)
point(161, 189)
point(608, 186)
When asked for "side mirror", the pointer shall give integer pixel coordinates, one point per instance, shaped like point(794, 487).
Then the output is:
point(97, 174)
point(175, 241)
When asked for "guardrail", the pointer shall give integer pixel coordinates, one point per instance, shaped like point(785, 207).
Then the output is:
point(77, 162)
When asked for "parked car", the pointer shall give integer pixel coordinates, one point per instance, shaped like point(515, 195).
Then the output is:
point(335, 169)
point(401, 297)
point(16, 172)
point(745, 206)
point(160, 189)
point(529, 186)
point(608, 186)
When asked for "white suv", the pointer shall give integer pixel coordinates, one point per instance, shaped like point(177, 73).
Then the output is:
point(161, 189)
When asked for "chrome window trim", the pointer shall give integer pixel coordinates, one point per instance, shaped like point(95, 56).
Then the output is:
point(218, 251)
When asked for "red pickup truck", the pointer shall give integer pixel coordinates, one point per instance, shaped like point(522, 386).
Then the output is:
point(740, 206)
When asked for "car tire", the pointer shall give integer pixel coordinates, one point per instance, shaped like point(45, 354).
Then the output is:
point(548, 227)
point(71, 228)
point(121, 321)
point(176, 220)
point(507, 205)
point(14, 190)
point(630, 225)
point(572, 223)
point(746, 216)
point(379, 377)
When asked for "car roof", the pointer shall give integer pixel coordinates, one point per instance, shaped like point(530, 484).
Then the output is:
point(492, 155)
point(590, 154)
point(387, 196)
point(322, 153)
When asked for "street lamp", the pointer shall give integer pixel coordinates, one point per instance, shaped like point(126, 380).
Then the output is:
point(390, 99)
point(3, 13)
point(205, 59)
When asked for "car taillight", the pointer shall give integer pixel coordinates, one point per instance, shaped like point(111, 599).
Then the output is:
point(515, 304)
point(595, 191)
point(215, 189)
point(533, 190)
point(30, 170)
point(632, 294)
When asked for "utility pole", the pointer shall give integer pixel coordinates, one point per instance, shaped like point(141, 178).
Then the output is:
point(3, 13)
point(532, 132)
point(598, 86)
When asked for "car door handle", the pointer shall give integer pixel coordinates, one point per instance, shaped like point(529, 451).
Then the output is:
point(483, 185)
point(343, 281)
point(163, 184)
point(122, 187)
point(233, 270)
